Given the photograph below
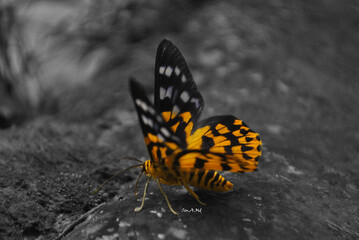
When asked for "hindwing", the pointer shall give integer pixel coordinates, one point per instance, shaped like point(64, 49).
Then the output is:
point(223, 143)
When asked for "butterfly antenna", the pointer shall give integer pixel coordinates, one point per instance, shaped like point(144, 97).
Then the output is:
point(114, 176)
point(132, 159)
point(138, 179)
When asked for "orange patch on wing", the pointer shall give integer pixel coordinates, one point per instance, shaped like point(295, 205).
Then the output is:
point(223, 143)
point(195, 140)
point(238, 122)
point(222, 129)
point(171, 145)
point(218, 139)
point(174, 127)
point(163, 151)
point(166, 116)
point(188, 130)
point(186, 116)
point(150, 138)
point(217, 149)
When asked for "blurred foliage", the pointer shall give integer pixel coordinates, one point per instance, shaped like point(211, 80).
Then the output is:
point(304, 28)
point(322, 32)
point(114, 24)
point(21, 93)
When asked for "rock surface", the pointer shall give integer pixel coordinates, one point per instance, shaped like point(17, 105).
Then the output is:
point(279, 201)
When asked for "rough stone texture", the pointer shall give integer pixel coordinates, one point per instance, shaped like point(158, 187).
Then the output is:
point(279, 202)
point(289, 70)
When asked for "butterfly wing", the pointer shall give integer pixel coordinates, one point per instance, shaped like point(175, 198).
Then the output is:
point(223, 143)
point(176, 94)
point(159, 138)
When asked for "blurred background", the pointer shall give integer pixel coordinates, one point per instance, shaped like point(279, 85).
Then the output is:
point(289, 69)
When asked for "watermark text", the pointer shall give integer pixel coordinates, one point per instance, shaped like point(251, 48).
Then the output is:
point(191, 210)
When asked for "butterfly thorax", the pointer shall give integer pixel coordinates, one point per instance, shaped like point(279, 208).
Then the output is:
point(157, 170)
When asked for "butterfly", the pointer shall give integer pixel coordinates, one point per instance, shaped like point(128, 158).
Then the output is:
point(183, 150)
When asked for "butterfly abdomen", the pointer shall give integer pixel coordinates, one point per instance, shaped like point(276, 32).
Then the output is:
point(209, 180)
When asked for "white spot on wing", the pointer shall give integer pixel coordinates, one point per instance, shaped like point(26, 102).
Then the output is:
point(162, 93)
point(165, 132)
point(147, 121)
point(144, 106)
point(162, 69)
point(168, 71)
point(144, 119)
point(150, 122)
point(185, 96)
point(151, 110)
point(138, 102)
point(174, 137)
point(141, 104)
point(159, 118)
point(184, 79)
point(160, 137)
point(169, 91)
point(175, 111)
point(195, 101)
point(177, 71)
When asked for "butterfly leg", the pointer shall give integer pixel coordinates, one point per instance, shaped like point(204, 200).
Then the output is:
point(164, 194)
point(189, 189)
point(138, 179)
point(137, 209)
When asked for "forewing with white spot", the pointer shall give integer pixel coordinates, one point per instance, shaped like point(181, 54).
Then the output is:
point(156, 131)
point(176, 94)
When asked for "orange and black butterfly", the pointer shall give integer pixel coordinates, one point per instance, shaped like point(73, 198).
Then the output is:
point(183, 150)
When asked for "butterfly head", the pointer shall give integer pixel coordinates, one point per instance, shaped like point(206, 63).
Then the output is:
point(147, 168)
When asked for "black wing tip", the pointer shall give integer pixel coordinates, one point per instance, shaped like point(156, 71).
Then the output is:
point(133, 83)
point(132, 80)
point(135, 87)
point(165, 42)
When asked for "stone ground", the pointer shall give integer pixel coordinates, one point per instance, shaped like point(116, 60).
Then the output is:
point(288, 69)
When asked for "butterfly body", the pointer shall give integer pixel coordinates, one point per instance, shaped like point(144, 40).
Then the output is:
point(208, 180)
point(183, 150)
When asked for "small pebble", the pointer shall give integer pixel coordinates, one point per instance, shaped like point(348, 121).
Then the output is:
point(161, 236)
